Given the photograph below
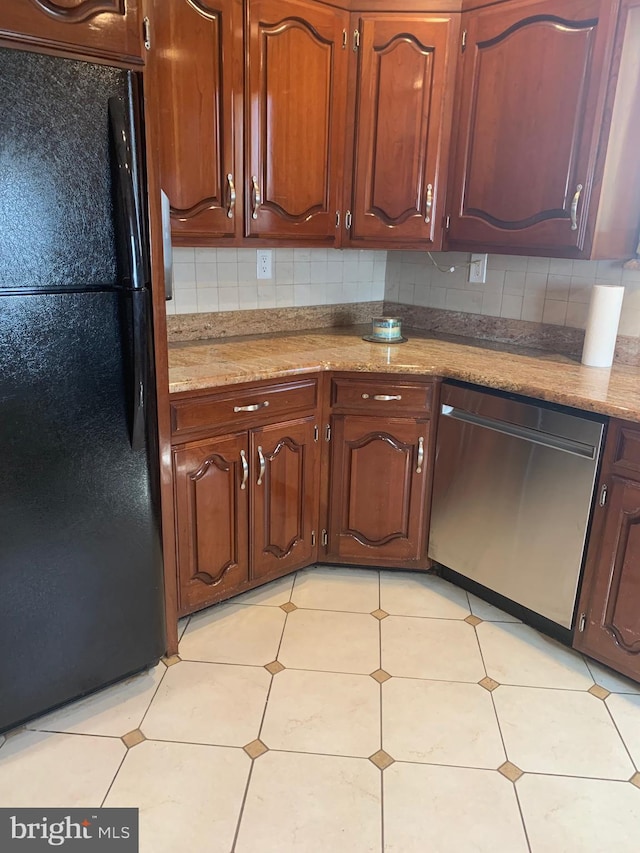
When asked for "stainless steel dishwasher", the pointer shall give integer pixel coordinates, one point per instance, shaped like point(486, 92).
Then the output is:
point(513, 488)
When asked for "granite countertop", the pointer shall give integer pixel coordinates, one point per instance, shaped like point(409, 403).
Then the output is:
point(547, 376)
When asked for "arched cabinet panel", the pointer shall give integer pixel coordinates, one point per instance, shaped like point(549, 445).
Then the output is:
point(608, 624)
point(378, 486)
point(100, 28)
point(211, 508)
point(284, 489)
point(198, 76)
point(405, 72)
point(295, 119)
point(529, 118)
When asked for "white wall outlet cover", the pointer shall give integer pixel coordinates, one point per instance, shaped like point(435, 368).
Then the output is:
point(478, 269)
point(265, 263)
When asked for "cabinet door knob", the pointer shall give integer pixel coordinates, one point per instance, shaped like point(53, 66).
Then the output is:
point(574, 208)
point(420, 455)
point(263, 465)
point(232, 195)
point(245, 469)
point(429, 204)
point(256, 198)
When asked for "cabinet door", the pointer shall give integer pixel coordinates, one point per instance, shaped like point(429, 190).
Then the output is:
point(211, 488)
point(295, 119)
point(402, 118)
point(611, 594)
point(530, 92)
point(379, 472)
point(198, 78)
point(284, 492)
point(101, 28)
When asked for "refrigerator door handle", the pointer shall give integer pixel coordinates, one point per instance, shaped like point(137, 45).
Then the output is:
point(132, 259)
point(139, 345)
point(126, 195)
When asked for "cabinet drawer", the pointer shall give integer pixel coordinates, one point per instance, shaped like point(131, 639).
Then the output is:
point(384, 395)
point(242, 406)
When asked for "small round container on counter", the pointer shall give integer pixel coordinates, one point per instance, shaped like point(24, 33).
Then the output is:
point(385, 330)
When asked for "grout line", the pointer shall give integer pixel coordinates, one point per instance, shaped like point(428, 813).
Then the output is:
point(381, 723)
point(504, 745)
point(629, 692)
point(381, 810)
point(242, 805)
point(524, 823)
point(155, 693)
point(576, 776)
point(115, 776)
point(624, 743)
point(182, 633)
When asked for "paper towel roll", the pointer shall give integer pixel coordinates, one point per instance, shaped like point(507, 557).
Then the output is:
point(602, 325)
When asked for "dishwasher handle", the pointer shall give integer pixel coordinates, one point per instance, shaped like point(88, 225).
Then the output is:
point(545, 439)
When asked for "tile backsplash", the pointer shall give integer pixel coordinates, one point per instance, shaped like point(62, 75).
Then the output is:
point(207, 280)
point(541, 290)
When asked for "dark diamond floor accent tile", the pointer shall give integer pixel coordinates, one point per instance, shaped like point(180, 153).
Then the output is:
point(255, 749)
point(510, 770)
point(380, 676)
point(379, 614)
point(381, 759)
point(133, 738)
point(598, 692)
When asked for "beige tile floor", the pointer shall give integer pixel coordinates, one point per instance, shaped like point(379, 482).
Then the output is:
point(351, 710)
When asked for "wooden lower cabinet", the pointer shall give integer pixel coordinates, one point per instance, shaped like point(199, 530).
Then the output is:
point(608, 626)
point(380, 471)
point(284, 497)
point(211, 497)
point(246, 509)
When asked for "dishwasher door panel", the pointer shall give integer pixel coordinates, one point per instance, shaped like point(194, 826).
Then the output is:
point(510, 514)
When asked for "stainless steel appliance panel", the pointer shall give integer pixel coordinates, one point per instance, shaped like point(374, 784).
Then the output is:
point(512, 495)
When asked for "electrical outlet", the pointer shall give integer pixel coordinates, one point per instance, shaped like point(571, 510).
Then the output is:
point(264, 263)
point(478, 269)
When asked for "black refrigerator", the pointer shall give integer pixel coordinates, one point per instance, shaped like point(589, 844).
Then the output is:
point(81, 591)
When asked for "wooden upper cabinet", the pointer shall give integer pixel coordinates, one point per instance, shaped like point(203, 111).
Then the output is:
point(211, 495)
point(531, 94)
point(295, 107)
point(284, 495)
point(100, 28)
point(198, 80)
point(403, 100)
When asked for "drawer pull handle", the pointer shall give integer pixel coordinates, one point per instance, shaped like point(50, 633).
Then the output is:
point(245, 469)
point(263, 465)
point(256, 198)
point(574, 208)
point(232, 196)
point(420, 455)
point(252, 408)
point(382, 397)
point(429, 204)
